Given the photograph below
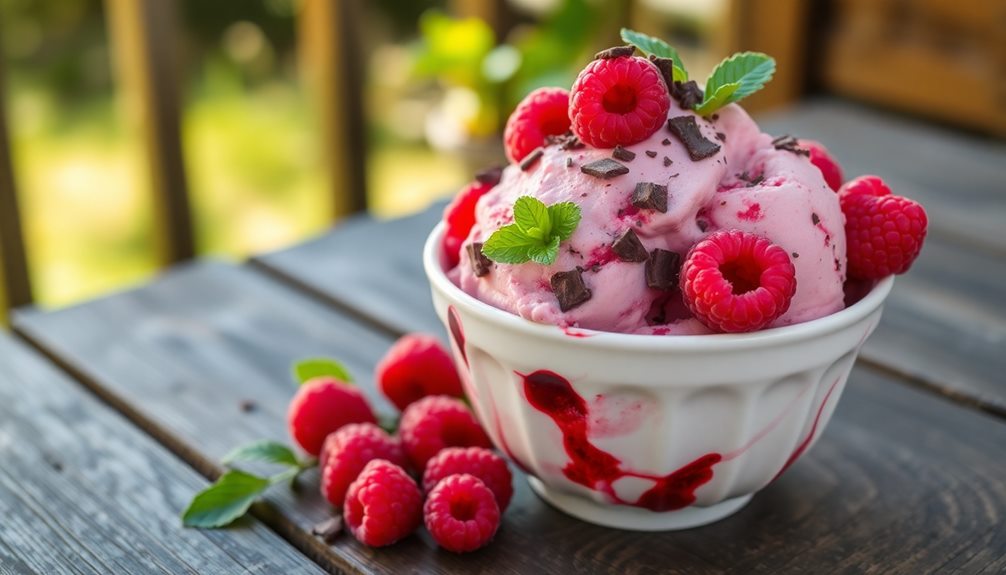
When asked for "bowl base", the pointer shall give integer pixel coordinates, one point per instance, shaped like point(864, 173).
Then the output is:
point(635, 518)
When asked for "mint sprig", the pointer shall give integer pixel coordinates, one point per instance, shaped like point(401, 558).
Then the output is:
point(535, 234)
point(736, 78)
point(656, 47)
point(308, 369)
point(264, 451)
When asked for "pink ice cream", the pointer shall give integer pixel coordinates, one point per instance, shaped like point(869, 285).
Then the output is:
point(747, 185)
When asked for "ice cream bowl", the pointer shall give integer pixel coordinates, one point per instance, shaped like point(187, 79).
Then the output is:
point(649, 432)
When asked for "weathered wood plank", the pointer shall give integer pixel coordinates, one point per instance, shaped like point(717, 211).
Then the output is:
point(83, 491)
point(901, 482)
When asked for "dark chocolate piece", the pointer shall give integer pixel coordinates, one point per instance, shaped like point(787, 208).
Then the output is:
point(490, 176)
point(667, 161)
point(620, 153)
point(815, 219)
point(688, 94)
point(662, 269)
point(328, 529)
point(651, 153)
point(721, 137)
point(628, 248)
point(650, 196)
point(795, 255)
point(790, 144)
point(604, 168)
point(569, 161)
point(615, 52)
point(531, 159)
point(481, 265)
point(686, 130)
point(666, 67)
point(666, 141)
point(569, 289)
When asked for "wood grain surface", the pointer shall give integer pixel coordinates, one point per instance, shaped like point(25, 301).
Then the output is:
point(901, 482)
point(83, 491)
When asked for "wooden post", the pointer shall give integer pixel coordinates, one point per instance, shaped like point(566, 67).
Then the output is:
point(778, 28)
point(144, 36)
point(332, 64)
point(15, 286)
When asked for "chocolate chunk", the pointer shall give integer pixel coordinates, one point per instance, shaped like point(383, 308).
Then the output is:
point(790, 144)
point(815, 219)
point(651, 153)
point(569, 162)
point(688, 94)
point(662, 269)
point(604, 168)
point(650, 196)
point(686, 130)
point(328, 530)
point(481, 265)
point(666, 141)
point(795, 255)
point(571, 142)
point(620, 153)
point(569, 289)
point(715, 117)
point(531, 159)
point(721, 136)
point(667, 161)
point(490, 176)
point(628, 248)
point(666, 67)
point(615, 52)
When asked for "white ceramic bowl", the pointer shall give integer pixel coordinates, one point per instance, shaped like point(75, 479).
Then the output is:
point(649, 432)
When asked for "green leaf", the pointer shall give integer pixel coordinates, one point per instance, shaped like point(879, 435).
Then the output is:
point(545, 254)
point(509, 245)
point(532, 217)
point(224, 501)
point(657, 47)
point(265, 451)
point(750, 71)
point(565, 217)
point(308, 369)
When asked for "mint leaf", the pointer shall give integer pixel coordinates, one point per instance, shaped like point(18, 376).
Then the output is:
point(224, 501)
point(565, 217)
point(509, 245)
point(657, 47)
point(532, 217)
point(749, 71)
point(545, 254)
point(308, 369)
point(265, 451)
point(536, 233)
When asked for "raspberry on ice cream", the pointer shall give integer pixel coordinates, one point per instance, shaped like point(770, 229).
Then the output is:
point(884, 231)
point(541, 113)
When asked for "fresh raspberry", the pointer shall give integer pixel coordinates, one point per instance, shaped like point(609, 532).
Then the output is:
point(476, 461)
point(459, 218)
point(734, 281)
point(417, 366)
point(321, 406)
point(348, 450)
point(544, 112)
point(820, 157)
point(618, 101)
point(883, 232)
point(383, 505)
point(436, 422)
point(461, 513)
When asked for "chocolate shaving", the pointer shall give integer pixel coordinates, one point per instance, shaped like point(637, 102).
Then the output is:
point(688, 94)
point(650, 196)
point(569, 289)
point(790, 144)
point(721, 137)
point(628, 248)
point(667, 161)
point(666, 141)
point(666, 67)
point(686, 130)
point(662, 269)
point(815, 219)
point(531, 159)
point(795, 255)
point(481, 264)
point(615, 52)
point(651, 153)
point(620, 153)
point(569, 162)
point(328, 529)
point(490, 176)
point(604, 168)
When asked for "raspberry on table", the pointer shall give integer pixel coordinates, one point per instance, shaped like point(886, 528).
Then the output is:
point(543, 112)
point(383, 505)
point(820, 157)
point(479, 462)
point(436, 422)
point(459, 218)
point(735, 281)
point(884, 232)
point(618, 101)
point(461, 513)
point(348, 451)
point(416, 366)
point(321, 406)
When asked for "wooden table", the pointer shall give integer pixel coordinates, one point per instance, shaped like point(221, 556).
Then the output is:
point(126, 405)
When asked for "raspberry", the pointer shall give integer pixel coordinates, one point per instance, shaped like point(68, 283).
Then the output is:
point(383, 505)
point(321, 406)
point(618, 101)
point(883, 232)
point(544, 112)
point(461, 513)
point(459, 217)
point(436, 422)
point(734, 281)
point(476, 461)
point(348, 450)
point(417, 366)
point(820, 157)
